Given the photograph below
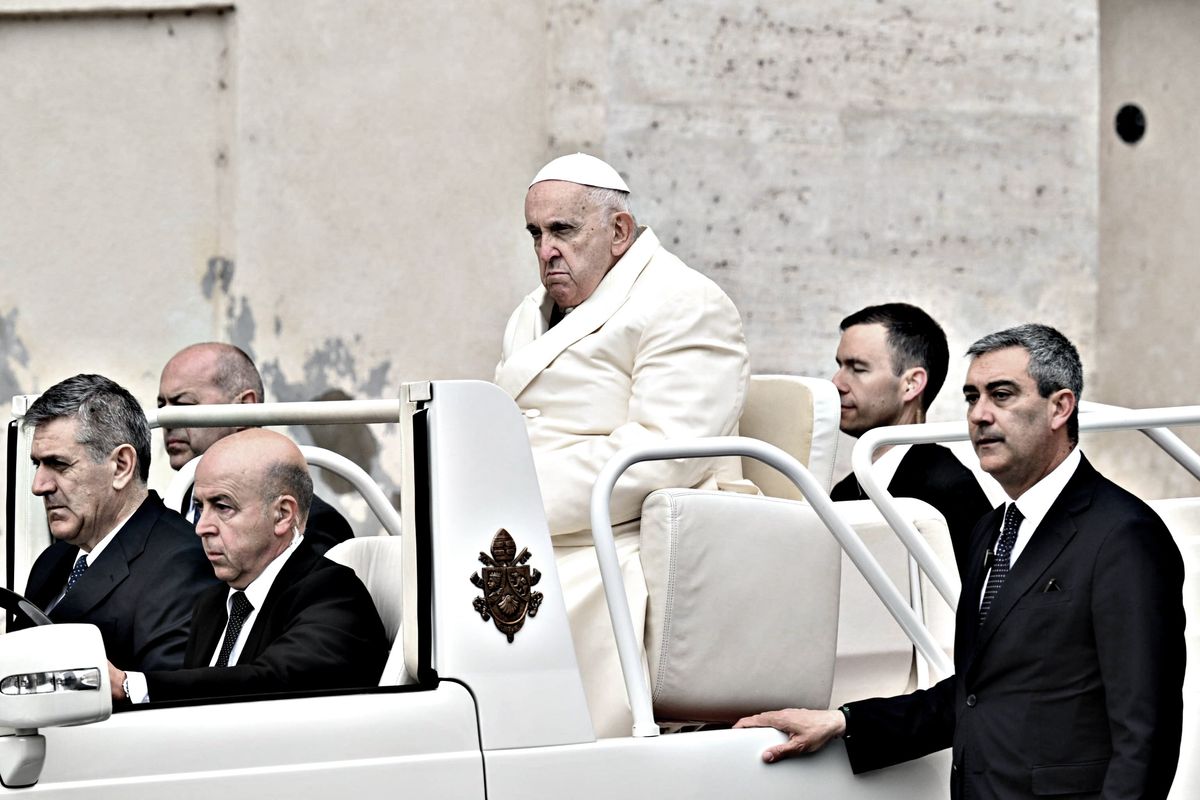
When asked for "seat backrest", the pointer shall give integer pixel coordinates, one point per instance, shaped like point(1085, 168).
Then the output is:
point(798, 415)
point(743, 602)
point(874, 656)
point(376, 561)
point(1182, 516)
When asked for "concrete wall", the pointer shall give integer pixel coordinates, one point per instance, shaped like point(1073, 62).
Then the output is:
point(1149, 236)
point(814, 158)
point(338, 186)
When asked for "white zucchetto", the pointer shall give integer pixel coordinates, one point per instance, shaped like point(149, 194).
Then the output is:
point(582, 169)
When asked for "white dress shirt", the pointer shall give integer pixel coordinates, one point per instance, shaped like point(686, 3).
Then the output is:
point(1035, 503)
point(256, 592)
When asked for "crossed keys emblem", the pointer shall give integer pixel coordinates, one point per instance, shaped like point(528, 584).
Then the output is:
point(507, 583)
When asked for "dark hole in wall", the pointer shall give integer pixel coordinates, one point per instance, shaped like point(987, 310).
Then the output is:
point(1130, 123)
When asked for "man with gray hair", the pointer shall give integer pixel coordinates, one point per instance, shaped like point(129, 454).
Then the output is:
point(1069, 640)
point(622, 344)
point(211, 373)
point(120, 560)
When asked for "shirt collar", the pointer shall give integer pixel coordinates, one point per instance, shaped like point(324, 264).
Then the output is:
point(258, 589)
point(886, 465)
point(1037, 499)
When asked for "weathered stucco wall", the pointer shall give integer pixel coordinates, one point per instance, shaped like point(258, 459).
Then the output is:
point(1149, 239)
point(338, 187)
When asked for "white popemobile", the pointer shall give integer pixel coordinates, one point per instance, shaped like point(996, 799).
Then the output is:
point(481, 696)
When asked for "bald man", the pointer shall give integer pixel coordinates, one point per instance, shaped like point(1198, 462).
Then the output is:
point(213, 373)
point(286, 619)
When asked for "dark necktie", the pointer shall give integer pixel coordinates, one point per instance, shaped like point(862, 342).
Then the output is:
point(75, 574)
point(1000, 564)
point(240, 608)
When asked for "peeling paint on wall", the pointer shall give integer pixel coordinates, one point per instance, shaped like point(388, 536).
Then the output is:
point(355, 442)
point(240, 325)
point(220, 271)
point(12, 354)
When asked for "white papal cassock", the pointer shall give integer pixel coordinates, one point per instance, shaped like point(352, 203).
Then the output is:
point(657, 352)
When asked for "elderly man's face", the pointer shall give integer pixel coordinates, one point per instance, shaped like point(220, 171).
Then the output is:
point(80, 499)
point(235, 526)
point(189, 379)
point(573, 240)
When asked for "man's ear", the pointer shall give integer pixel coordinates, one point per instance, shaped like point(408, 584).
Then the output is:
point(1062, 406)
point(624, 232)
point(123, 459)
point(287, 515)
point(247, 396)
point(913, 382)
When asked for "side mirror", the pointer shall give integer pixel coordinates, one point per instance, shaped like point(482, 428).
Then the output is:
point(50, 676)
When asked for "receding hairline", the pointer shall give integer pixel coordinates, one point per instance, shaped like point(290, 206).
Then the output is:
point(232, 369)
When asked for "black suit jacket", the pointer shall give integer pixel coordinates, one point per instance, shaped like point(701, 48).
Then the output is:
point(325, 526)
point(1075, 692)
point(317, 629)
point(932, 473)
point(140, 591)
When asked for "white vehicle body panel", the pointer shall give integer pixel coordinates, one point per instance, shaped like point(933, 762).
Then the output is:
point(360, 746)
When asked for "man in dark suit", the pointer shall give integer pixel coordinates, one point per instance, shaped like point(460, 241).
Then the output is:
point(218, 373)
point(1069, 649)
point(285, 618)
point(120, 560)
point(892, 362)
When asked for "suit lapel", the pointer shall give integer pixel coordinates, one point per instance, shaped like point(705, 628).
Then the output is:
point(1054, 533)
point(49, 575)
point(112, 566)
point(300, 563)
point(529, 358)
point(984, 535)
point(208, 623)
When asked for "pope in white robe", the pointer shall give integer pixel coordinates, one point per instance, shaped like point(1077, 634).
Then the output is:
point(622, 345)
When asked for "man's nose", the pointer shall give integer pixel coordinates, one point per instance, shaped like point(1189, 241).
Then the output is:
point(42, 482)
point(204, 524)
point(840, 382)
point(979, 413)
point(546, 250)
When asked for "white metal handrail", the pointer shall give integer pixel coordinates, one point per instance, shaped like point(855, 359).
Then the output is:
point(1096, 418)
point(325, 412)
point(318, 457)
point(1175, 447)
point(614, 585)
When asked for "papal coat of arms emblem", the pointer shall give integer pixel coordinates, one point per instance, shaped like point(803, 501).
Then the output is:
point(507, 585)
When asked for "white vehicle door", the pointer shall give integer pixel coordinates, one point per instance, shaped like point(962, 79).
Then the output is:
point(420, 741)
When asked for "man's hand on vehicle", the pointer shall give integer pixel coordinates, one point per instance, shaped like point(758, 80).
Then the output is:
point(808, 730)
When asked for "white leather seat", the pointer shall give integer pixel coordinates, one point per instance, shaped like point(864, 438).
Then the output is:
point(800, 416)
point(743, 604)
point(376, 560)
point(874, 656)
point(751, 605)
